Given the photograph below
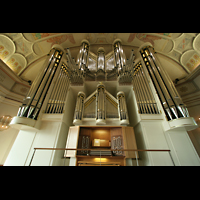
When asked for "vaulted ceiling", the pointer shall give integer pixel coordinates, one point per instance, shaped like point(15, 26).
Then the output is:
point(25, 53)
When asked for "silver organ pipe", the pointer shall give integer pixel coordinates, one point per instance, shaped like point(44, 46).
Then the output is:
point(120, 58)
point(100, 74)
point(82, 58)
point(78, 58)
point(70, 57)
point(147, 90)
point(100, 98)
point(144, 96)
point(123, 65)
point(34, 99)
point(79, 106)
point(170, 100)
point(57, 98)
point(180, 109)
point(72, 69)
point(123, 114)
point(106, 107)
point(101, 61)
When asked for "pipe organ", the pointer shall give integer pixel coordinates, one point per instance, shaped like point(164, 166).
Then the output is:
point(59, 105)
point(169, 97)
point(145, 99)
point(103, 67)
point(49, 90)
point(35, 98)
point(102, 107)
point(57, 98)
point(124, 66)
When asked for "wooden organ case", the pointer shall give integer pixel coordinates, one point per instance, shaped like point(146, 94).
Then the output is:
point(97, 138)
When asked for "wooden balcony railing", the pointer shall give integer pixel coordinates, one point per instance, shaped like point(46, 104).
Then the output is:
point(135, 150)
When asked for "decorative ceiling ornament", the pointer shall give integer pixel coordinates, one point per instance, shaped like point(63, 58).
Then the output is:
point(16, 62)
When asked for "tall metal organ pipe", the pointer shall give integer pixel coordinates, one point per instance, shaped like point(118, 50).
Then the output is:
point(101, 61)
point(170, 100)
point(145, 100)
point(82, 57)
point(100, 102)
point(120, 57)
point(123, 114)
point(33, 101)
point(79, 107)
point(58, 95)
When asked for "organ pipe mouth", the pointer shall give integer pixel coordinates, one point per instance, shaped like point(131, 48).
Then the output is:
point(116, 41)
point(81, 94)
point(87, 43)
point(100, 85)
point(101, 49)
point(120, 93)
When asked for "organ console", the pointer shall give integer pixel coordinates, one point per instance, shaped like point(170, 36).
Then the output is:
point(107, 137)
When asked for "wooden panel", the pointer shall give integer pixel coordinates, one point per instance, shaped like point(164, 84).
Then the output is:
point(129, 142)
point(101, 133)
point(115, 131)
point(85, 131)
point(95, 161)
point(72, 141)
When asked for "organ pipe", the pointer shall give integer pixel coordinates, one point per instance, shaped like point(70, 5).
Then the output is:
point(101, 60)
point(100, 102)
point(123, 66)
point(100, 110)
point(144, 96)
point(123, 114)
point(82, 57)
point(79, 107)
point(170, 100)
point(33, 101)
point(58, 95)
point(100, 74)
point(120, 57)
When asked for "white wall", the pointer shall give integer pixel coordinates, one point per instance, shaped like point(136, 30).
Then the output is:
point(7, 137)
point(52, 133)
point(182, 149)
point(194, 135)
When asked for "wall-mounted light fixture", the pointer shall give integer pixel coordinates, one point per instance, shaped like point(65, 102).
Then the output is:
point(4, 122)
